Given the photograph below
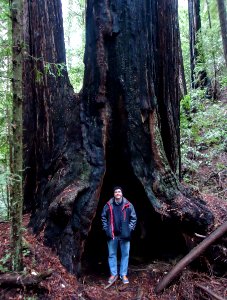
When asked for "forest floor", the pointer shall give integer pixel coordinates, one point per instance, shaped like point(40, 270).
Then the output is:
point(204, 146)
point(63, 285)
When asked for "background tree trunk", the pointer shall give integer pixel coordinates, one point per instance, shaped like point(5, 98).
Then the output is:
point(16, 206)
point(196, 49)
point(182, 79)
point(223, 22)
point(122, 129)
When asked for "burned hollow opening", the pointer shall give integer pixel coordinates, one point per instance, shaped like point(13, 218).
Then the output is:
point(155, 237)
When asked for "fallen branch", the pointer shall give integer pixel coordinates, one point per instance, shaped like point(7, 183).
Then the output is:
point(209, 292)
point(195, 252)
point(139, 294)
point(108, 285)
point(17, 280)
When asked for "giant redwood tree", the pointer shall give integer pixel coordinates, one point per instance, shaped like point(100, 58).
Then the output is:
point(123, 128)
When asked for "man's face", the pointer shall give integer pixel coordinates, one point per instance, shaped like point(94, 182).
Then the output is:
point(118, 194)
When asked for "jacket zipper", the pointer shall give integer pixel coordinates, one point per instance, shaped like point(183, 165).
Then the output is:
point(123, 208)
point(111, 219)
point(111, 216)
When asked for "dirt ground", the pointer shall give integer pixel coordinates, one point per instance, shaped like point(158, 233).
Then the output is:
point(91, 286)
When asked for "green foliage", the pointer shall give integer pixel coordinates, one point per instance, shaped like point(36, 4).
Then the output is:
point(209, 43)
point(76, 72)
point(5, 103)
point(4, 205)
point(26, 252)
point(184, 36)
point(223, 82)
point(3, 261)
point(203, 133)
point(43, 67)
point(212, 41)
point(74, 31)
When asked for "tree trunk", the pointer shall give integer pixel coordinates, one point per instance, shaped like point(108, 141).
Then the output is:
point(123, 128)
point(16, 163)
point(223, 22)
point(182, 80)
point(196, 50)
point(212, 91)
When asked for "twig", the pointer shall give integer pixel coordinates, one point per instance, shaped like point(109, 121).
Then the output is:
point(139, 294)
point(200, 235)
point(221, 192)
point(209, 292)
point(108, 285)
point(141, 269)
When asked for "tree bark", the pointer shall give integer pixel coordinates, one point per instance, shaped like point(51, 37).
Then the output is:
point(182, 80)
point(223, 22)
point(16, 163)
point(123, 128)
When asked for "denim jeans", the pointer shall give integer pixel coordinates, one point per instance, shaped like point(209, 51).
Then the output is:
point(112, 259)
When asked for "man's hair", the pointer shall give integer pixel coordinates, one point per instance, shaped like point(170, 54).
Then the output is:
point(117, 188)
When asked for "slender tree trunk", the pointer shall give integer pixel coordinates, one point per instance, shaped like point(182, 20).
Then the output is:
point(9, 158)
point(8, 200)
point(223, 22)
point(16, 166)
point(213, 90)
point(182, 79)
point(123, 128)
point(196, 49)
point(192, 39)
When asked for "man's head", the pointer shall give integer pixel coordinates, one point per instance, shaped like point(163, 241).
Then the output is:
point(118, 193)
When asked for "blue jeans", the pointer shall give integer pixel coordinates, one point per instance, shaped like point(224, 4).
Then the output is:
point(112, 259)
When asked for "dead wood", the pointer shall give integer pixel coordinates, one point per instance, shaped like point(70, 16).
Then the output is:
point(209, 292)
point(110, 284)
point(195, 252)
point(139, 294)
point(18, 280)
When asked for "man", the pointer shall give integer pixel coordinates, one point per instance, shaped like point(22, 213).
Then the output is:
point(118, 221)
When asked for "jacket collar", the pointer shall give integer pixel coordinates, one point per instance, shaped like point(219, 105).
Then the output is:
point(125, 201)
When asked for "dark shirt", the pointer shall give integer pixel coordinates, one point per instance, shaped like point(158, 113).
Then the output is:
point(117, 214)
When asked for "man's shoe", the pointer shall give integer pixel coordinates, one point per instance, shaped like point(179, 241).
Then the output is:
point(125, 279)
point(112, 279)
